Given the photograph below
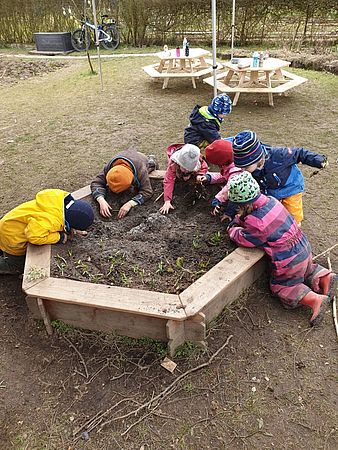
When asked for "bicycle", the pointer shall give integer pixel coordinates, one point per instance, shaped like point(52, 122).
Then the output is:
point(108, 34)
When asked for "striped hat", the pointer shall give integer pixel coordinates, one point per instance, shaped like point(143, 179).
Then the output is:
point(243, 188)
point(247, 148)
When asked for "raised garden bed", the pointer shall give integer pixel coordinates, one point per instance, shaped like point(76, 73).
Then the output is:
point(145, 275)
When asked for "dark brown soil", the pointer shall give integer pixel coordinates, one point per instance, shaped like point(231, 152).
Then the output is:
point(11, 71)
point(148, 250)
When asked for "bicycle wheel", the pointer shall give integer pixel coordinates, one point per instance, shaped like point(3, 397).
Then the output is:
point(79, 40)
point(114, 38)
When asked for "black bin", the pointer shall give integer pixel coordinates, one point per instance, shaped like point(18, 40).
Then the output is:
point(53, 42)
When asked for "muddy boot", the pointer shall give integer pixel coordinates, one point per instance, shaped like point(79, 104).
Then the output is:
point(328, 284)
point(318, 304)
point(152, 163)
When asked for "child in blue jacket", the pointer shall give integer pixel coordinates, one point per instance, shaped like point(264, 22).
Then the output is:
point(275, 169)
point(205, 121)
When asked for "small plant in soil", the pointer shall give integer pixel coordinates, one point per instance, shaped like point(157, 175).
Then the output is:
point(196, 242)
point(61, 327)
point(61, 263)
point(126, 281)
point(82, 267)
point(140, 272)
point(180, 262)
point(160, 267)
point(216, 239)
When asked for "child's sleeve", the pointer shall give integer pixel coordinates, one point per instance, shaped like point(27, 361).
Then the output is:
point(98, 186)
point(169, 182)
point(298, 155)
point(37, 233)
point(247, 234)
point(146, 189)
point(203, 169)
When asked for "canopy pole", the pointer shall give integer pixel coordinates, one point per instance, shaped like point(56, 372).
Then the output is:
point(214, 63)
point(233, 27)
point(97, 43)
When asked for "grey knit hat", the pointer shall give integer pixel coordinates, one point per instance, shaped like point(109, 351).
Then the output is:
point(187, 157)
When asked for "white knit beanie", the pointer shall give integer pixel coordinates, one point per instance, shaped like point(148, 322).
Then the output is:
point(187, 157)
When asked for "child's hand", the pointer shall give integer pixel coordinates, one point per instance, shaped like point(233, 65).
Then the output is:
point(166, 207)
point(104, 207)
point(216, 210)
point(74, 232)
point(225, 217)
point(201, 179)
point(124, 210)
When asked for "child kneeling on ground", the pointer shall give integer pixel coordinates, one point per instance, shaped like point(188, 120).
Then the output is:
point(185, 163)
point(275, 169)
point(263, 222)
point(52, 217)
point(129, 169)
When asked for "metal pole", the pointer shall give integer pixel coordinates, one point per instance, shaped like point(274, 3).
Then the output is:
point(214, 63)
point(97, 43)
point(233, 27)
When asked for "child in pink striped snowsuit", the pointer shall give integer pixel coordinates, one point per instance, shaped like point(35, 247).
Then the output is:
point(265, 223)
point(184, 162)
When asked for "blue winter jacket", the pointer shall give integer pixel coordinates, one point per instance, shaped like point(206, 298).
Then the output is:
point(203, 127)
point(280, 176)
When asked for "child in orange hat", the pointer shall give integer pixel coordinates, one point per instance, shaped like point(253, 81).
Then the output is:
point(127, 170)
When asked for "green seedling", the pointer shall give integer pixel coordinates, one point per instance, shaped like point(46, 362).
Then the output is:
point(96, 278)
point(203, 264)
point(70, 252)
point(125, 279)
point(61, 263)
point(140, 272)
point(160, 267)
point(180, 262)
point(82, 267)
point(196, 242)
point(216, 238)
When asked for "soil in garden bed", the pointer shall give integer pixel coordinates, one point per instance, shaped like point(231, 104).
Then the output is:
point(148, 250)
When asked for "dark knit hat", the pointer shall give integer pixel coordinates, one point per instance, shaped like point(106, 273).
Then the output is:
point(247, 148)
point(78, 213)
point(219, 152)
point(243, 188)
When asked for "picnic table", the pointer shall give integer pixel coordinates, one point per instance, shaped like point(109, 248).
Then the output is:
point(270, 78)
point(171, 66)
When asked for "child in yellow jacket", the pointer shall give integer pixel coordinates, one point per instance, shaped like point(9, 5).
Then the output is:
point(52, 217)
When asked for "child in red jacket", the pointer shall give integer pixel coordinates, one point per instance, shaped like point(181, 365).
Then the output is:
point(184, 162)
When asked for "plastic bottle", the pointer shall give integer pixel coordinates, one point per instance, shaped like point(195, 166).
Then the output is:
point(187, 49)
point(184, 44)
point(255, 59)
point(261, 57)
point(178, 51)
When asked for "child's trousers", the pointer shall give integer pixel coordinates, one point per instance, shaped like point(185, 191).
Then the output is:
point(294, 277)
point(11, 264)
point(294, 204)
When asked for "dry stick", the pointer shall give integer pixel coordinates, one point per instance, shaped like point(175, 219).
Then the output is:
point(159, 197)
point(324, 252)
point(167, 390)
point(80, 356)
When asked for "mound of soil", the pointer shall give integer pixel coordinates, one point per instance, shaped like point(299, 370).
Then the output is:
point(11, 71)
point(147, 250)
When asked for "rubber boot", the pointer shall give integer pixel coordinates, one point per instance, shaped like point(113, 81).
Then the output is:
point(327, 284)
point(318, 304)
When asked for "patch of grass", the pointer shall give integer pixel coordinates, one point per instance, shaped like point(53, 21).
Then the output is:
point(187, 350)
point(61, 327)
point(216, 239)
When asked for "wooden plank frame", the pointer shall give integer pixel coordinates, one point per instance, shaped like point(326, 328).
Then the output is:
point(171, 318)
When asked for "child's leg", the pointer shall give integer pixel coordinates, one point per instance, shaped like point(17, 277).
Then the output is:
point(11, 265)
point(319, 278)
point(294, 204)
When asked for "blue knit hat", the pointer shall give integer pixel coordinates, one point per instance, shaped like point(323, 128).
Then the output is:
point(221, 104)
point(247, 148)
point(78, 213)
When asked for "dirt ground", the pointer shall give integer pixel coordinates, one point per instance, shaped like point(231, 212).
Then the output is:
point(149, 250)
point(272, 386)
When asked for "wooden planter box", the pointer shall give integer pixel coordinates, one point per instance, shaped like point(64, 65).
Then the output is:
point(134, 312)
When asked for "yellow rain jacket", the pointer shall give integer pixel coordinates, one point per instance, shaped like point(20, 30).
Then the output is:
point(37, 221)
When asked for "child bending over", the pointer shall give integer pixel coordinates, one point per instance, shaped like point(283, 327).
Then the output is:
point(275, 169)
point(184, 162)
point(265, 223)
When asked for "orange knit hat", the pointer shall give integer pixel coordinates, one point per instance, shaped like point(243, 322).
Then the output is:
point(119, 178)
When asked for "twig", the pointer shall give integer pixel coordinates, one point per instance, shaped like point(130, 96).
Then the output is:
point(167, 390)
point(80, 356)
point(324, 252)
point(3, 386)
point(159, 197)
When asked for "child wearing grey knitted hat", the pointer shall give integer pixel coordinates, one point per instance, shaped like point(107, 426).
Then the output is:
point(184, 162)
